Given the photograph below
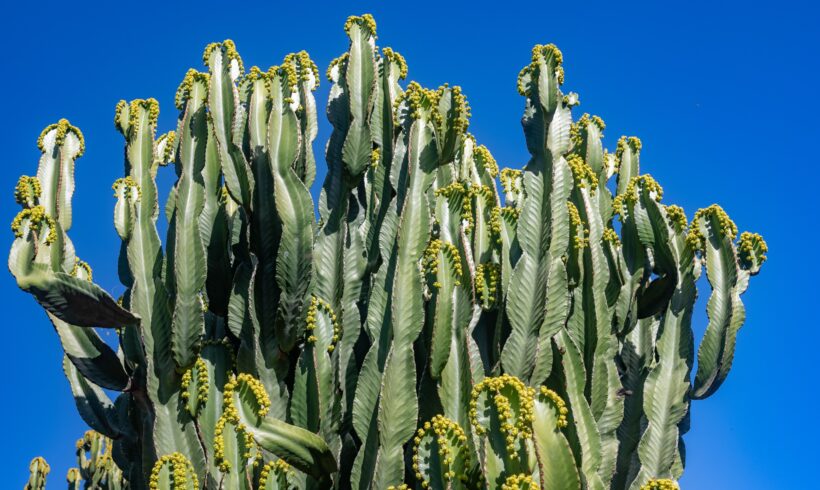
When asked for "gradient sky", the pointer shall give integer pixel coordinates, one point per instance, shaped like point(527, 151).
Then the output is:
point(723, 95)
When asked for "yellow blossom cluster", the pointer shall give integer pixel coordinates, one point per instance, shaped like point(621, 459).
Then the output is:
point(421, 102)
point(551, 56)
point(487, 278)
point(317, 306)
point(305, 67)
point(512, 402)
point(288, 77)
point(611, 236)
point(660, 484)
point(511, 181)
point(752, 245)
point(646, 183)
point(520, 482)
point(582, 173)
point(27, 191)
point(578, 129)
point(726, 227)
point(547, 394)
point(199, 371)
point(486, 158)
point(394, 57)
point(341, 62)
point(494, 223)
point(279, 470)
point(367, 21)
point(633, 142)
point(458, 190)
point(243, 436)
point(149, 105)
point(375, 155)
point(186, 87)
point(676, 217)
point(230, 52)
point(181, 471)
point(460, 109)
point(130, 189)
point(510, 213)
point(430, 260)
point(36, 219)
point(581, 237)
point(166, 142)
point(451, 445)
point(82, 269)
point(63, 127)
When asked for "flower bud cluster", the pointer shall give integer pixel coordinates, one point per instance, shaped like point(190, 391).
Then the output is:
point(494, 223)
point(512, 402)
point(366, 21)
point(186, 87)
point(457, 190)
point(82, 269)
point(36, 218)
point(375, 155)
point(487, 277)
point(421, 103)
point(279, 470)
point(256, 388)
point(394, 57)
point(752, 247)
point(520, 482)
point(676, 217)
point(166, 147)
point(510, 213)
point(130, 189)
point(27, 191)
point(511, 181)
point(317, 306)
point(483, 155)
point(450, 443)
point(460, 109)
point(199, 371)
point(578, 130)
point(550, 55)
point(581, 237)
point(150, 105)
point(181, 472)
point(230, 415)
point(63, 127)
point(611, 236)
point(306, 69)
point(646, 183)
point(661, 484)
point(289, 80)
point(726, 227)
point(339, 63)
point(430, 260)
point(632, 142)
point(244, 437)
point(229, 49)
point(547, 394)
point(582, 173)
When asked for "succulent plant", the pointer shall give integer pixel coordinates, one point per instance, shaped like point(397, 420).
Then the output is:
point(428, 331)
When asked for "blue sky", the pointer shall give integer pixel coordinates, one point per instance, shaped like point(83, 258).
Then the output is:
point(724, 96)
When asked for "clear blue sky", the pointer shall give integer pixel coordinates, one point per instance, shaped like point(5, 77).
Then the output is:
point(724, 97)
